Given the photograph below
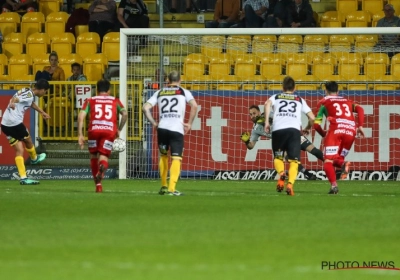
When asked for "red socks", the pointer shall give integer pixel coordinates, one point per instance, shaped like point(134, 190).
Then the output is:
point(330, 173)
point(105, 165)
point(94, 166)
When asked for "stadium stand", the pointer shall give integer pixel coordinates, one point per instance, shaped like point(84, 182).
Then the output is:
point(9, 23)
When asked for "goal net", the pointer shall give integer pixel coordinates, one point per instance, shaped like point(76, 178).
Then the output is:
point(229, 70)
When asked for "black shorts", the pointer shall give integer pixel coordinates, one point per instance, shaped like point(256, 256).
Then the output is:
point(15, 133)
point(305, 143)
point(286, 140)
point(170, 140)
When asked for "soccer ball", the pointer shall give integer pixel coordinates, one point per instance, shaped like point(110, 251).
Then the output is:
point(119, 145)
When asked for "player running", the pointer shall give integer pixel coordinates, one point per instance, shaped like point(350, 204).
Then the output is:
point(286, 130)
point(341, 132)
point(13, 127)
point(171, 101)
point(250, 139)
point(103, 128)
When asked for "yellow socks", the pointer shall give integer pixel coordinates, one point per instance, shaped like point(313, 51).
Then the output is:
point(32, 153)
point(163, 165)
point(293, 170)
point(174, 173)
point(279, 165)
point(19, 162)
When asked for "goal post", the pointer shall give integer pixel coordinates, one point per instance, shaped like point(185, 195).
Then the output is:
point(230, 69)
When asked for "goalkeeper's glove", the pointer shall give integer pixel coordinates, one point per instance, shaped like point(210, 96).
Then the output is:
point(245, 137)
point(261, 120)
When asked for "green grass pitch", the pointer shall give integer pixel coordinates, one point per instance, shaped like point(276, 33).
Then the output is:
point(218, 230)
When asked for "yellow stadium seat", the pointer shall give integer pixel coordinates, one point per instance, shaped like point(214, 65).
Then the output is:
point(49, 6)
point(395, 66)
point(55, 23)
point(323, 66)
point(87, 44)
point(376, 65)
point(350, 65)
point(315, 43)
point(238, 45)
point(364, 44)
point(263, 44)
point(94, 66)
point(9, 22)
point(37, 43)
point(63, 43)
point(58, 108)
point(289, 43)
point(330, 19)
point(344, 7)
point(65, 61)
point(297, 64)
point(3, 66)
point(13, 44)
point(339, 44)
point(32, 22)
point(246, 66)
point(376, 17)
point(358, 19)
point(388, 82)
point(395, 4)
point(194, 66)
point(110, 46)
point(220, 66)
point(80, 29)
point(372, 6)
point(271, 65)
point(40, 60)
point(212, 45)
point(19, 65)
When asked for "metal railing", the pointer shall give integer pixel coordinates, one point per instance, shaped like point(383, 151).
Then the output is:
point(63, 103)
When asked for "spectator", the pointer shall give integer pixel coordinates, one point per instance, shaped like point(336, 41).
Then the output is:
point(133, 14)
point(15, 5)
point(226, 14)
point(253, 13)
point(277, 14)
point(388, 41)
point(174, 5)
point(55, 71)
point(76, 73)
point(102, 17)
point(300, 14)
point(156, 83)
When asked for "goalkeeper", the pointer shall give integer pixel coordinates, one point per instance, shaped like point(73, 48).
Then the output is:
point(250, 139)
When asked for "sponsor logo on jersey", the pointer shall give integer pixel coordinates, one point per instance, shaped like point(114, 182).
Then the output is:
point(101, 127)
point(343, 131)
point(103, 122)
point(350, 122)
point(170, 115)
point(331, 150)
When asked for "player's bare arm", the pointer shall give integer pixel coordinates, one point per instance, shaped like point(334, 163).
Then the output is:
point(193, 111)
point(146, 109)
point(122, 122)
point(40, 111)
point(267, 112)
point(81, 119)
point(360, 113)
point(311, 119)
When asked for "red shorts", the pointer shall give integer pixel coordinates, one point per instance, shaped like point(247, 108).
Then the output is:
point(101, 142)
point(338, 143)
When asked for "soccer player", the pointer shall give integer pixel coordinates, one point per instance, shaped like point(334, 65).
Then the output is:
point(286, 130)
point(171, 101)
point(103, 128)
point(258, 130)
point(13, 127)
point(341, 132)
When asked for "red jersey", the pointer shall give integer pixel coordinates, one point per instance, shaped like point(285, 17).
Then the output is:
point(339, 112)
point(103, 111)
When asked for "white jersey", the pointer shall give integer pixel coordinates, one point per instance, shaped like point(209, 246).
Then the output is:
point(171, 107)
point(287, 110)
point(15, 117)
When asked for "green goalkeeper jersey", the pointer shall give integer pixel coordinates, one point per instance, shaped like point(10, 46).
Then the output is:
point(258, 130)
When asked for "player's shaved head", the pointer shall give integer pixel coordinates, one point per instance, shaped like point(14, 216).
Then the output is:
point(288, 84)
point(331, 87)
point(103, 85)
point(174, 77)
